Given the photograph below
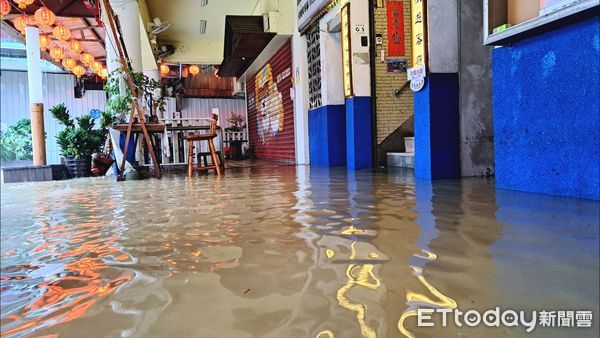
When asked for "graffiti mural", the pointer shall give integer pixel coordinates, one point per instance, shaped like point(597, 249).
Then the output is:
point(269, 118)
point(270, 108)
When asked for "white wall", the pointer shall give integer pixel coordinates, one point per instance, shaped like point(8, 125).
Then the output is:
point(202, 108)
point(57, 88)
point(361, 68)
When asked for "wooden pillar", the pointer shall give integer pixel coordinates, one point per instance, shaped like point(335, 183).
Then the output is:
point(36, 99)
point(37, 133)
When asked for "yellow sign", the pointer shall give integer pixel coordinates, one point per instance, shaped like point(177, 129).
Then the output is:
point(346, 50)
point(419, 36)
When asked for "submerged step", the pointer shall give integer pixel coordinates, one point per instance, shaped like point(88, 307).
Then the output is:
point(401, 160)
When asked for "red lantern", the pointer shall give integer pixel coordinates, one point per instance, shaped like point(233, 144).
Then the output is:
point(164, 70)
point(44, 17)
point(57, 53)
point(4, 8)
point(45, 42)
point(87, 59)
point(96, 66)
point(69, 63)
point(185, 72)
point(78, 70)
point(61, 32)
point(194, 70)
point(75, 46)
point(103, 73)
point(23, 3)
point(23, 21)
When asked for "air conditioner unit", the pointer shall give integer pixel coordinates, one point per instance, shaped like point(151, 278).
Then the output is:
point(272, 22)
point(239, 88)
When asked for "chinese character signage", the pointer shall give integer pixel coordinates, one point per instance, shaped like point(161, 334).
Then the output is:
point(419, 38)
point(395, 26)
point(346, 51)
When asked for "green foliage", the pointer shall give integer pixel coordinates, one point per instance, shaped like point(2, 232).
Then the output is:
point(120, 105)
point(15, 142)
point(77, 140)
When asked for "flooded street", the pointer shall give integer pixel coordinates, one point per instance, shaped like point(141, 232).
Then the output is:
point(284, 251)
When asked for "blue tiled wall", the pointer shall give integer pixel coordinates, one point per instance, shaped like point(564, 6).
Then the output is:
point(359, 148)
point(546, 93)
point(327, 136)
point(437, 128)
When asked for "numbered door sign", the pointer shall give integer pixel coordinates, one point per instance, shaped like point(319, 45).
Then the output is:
point(360, 29)
point(417, 84)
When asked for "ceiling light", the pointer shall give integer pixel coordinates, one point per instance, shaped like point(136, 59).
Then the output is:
point(202, 26)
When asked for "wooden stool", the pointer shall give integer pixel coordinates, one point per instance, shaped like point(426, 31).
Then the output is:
point(209, 137)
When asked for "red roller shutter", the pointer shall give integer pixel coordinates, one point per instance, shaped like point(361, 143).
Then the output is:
point(270, 108)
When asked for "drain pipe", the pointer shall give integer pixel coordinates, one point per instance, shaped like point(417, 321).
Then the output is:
point(373, 86)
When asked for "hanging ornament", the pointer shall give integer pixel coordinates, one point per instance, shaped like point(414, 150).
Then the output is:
point(164, 70)
point(185, 72)
point(44, 17)
point(61, 32)
point(23, 3)
point(103, 73)
point(4, 8)
point(96, 66)
point(45, 42)
point(87, 59)
point(75, 46)
point(23, 21)
point(194, 70)
point(69, 63)
point(57, 53)
point(78, 70)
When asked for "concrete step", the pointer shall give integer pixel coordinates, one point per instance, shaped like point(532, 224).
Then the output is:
point(401, 160)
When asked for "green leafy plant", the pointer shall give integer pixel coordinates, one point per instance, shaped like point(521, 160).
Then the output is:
point(79, 138)
point(15, 142)
point(119, 104)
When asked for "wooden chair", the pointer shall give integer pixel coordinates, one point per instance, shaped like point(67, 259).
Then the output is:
point(209, 137)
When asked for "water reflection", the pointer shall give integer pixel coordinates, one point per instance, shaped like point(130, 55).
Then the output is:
point(280, 251)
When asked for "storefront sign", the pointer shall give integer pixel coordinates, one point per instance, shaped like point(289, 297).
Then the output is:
point(307, 9)
point(395, 26)
point(346, 50)
point(419, 36)
point(415, 72)
point(417, 84)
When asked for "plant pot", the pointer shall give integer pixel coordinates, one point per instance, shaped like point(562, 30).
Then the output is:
point(409, 145)
point(79, 166)
point(236, 150)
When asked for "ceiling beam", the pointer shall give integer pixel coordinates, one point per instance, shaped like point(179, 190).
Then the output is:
point(93, 30)
point(62, 8)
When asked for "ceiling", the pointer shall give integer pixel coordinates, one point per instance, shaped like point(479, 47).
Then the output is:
point(184, 34)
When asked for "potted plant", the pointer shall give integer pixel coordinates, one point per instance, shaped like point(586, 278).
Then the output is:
point(236, 124)
point(78, 141)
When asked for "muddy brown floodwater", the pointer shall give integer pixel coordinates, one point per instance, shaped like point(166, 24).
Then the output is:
point(280, 251)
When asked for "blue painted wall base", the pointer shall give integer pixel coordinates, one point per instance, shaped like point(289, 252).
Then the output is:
point(437, 151)
point(359, 149)
point(327, 136)
point(546, 92)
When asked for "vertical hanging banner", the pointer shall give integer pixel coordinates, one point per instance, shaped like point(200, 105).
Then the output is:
point(419, 35)
point(346, 50)
point(395, 27)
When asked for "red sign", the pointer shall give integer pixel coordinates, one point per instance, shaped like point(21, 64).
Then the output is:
point(395, 26)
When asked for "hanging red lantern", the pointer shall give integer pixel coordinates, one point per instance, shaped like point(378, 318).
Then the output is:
point(87, 59)
point(69, 63)
point(23, 21)
point(23, 3)
point(164, 70)
point(61, 32)
point(103, 73)
point(78, 70)
point(185, 72)
point(75, 46)
point(194, 70)
point(44, 17)
point(57, 53)
point(96, 66)
point(45, 42)
point(4, 8)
